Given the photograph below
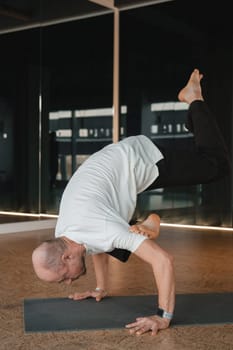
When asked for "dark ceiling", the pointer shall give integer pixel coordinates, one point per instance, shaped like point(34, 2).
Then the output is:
point(19, 14)
point(24, 13)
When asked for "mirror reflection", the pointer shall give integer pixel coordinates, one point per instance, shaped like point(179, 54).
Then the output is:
point(57, 86)
point(55, 98)
point(160, 46)
point(76, 98)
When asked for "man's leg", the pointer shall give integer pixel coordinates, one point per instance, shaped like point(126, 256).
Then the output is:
point(206, 162)
point(209, 159)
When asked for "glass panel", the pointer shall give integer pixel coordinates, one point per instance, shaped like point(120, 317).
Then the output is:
point(31, 71)
point(77, 71)
point(19, 121)
point(160, 46)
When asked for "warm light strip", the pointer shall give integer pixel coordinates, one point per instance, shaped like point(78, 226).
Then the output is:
point(28, 214)
point(116, 77)
point(198, 227)
point(161, 224)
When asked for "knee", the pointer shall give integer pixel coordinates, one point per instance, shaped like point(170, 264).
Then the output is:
point(168, 260)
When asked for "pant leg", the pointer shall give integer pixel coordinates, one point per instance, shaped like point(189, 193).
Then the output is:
point(120, 254)
point(207, 135)
point(207, 161)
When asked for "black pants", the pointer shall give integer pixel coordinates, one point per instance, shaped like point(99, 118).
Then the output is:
point(206, 162)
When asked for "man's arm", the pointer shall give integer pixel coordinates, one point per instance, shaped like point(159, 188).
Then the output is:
point(100, 262)
point(162, 265)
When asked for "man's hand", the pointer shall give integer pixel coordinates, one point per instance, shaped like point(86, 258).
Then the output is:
point(147, 324)
point(97, 293)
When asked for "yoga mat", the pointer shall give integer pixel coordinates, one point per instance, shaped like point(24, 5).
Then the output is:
point(63, 314)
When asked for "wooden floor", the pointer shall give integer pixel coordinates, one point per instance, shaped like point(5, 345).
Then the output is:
point(203, 263)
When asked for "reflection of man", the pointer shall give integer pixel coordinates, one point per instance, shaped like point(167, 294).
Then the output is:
point(100, 199)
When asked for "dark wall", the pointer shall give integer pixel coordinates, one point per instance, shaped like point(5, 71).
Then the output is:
point(71, 66)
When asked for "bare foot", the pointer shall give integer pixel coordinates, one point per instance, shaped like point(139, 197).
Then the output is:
point(192, 90)
point(149, 227)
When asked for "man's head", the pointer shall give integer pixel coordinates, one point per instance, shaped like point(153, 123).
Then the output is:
point(59, 260)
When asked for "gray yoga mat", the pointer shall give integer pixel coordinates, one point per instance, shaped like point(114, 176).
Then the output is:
point(62, 314)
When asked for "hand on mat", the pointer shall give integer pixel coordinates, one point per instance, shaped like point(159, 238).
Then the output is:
point(147, 324)
point(97, 294)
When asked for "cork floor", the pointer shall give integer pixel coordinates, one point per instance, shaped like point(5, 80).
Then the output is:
point(203, 264)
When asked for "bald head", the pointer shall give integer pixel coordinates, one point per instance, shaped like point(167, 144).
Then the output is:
point(47, 258)
point(59, 260)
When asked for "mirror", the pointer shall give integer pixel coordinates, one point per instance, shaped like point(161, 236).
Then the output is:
point(160, 46)
point(55, 96)
point(77, 80)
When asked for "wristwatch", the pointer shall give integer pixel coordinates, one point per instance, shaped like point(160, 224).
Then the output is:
point(164, 314)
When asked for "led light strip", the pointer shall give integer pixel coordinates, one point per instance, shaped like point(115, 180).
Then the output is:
point(12, 213)
point(199, 227)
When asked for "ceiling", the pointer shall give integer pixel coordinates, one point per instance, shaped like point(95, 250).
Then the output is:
point(18, 14)
point(22, 14)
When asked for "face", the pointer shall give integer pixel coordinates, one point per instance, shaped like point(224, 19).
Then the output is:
point(71, 271)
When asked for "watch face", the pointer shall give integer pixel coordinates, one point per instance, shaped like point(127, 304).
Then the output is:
point(160, 312)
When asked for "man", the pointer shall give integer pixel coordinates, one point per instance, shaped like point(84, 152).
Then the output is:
point(100, 198)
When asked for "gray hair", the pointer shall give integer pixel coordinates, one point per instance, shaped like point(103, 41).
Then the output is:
point(53, 251)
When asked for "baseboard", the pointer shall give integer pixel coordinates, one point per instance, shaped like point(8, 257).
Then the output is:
point(25, 226)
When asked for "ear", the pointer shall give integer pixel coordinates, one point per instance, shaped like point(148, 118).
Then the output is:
point(66, 256)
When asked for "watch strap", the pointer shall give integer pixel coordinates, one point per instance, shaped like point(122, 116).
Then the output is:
point(164, 314)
